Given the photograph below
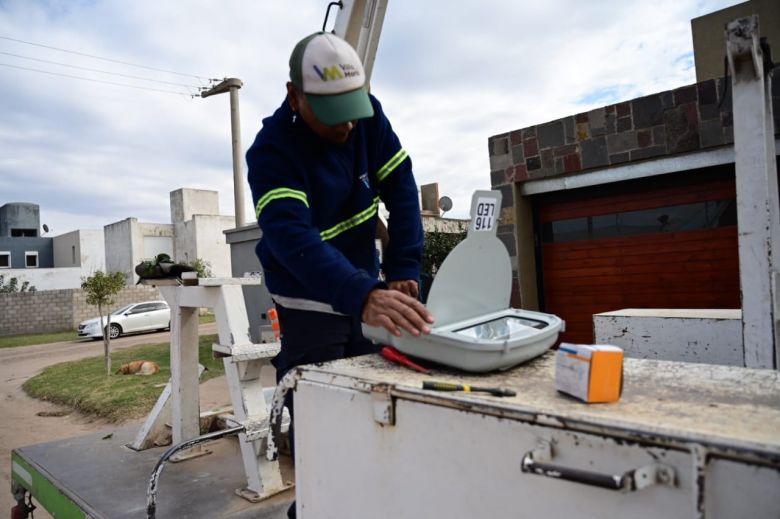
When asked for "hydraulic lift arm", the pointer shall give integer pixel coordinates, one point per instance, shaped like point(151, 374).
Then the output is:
point(359, 22)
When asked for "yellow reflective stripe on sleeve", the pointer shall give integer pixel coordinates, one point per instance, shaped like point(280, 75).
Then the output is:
point(354, 221)
point(281, 192)
point(391, 164)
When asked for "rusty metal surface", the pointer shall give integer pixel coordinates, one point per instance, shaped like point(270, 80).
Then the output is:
point(735, 411)
point(108, 480)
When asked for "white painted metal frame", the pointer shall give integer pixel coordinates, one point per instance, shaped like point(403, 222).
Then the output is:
point(646, 169)
point(359, 22)
point(757, 197)
point(243, 362)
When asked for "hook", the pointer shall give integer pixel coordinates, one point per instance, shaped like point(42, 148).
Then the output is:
point(327, 12)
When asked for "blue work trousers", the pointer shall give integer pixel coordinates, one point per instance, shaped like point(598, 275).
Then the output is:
point(312, 337)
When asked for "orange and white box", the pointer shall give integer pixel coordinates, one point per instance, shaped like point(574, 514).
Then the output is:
point(592, 373)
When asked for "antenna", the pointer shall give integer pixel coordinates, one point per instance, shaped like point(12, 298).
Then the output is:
point(45, 228)
point(445, 204)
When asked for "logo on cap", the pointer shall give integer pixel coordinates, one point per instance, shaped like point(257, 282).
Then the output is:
point(336, 71)
point(328, 73)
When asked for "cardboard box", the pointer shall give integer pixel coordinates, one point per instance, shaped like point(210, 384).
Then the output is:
point(592, 373)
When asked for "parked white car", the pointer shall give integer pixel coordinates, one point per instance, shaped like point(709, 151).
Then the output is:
point(136, 317)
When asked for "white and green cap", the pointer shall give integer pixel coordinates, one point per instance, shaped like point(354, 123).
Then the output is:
point(329, 73)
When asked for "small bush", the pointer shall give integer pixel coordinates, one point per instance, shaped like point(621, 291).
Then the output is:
point(13, 286)
point(436, 247)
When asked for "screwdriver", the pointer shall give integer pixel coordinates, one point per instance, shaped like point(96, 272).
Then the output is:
point(447, 386)
point(393, 355)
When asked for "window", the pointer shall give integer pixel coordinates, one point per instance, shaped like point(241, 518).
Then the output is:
point(31, 259)
point(5, 260)
point(24, 233)
point(675, 218)
point(73, 254)
point(141, 309)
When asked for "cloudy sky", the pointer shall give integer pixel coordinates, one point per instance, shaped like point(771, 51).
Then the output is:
point(449, 74)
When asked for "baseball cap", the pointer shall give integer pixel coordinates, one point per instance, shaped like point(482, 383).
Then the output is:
point(329, 73)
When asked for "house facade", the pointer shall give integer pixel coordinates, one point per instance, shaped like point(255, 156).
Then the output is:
point(21, 244)
point(631, 205)
point(195, 232)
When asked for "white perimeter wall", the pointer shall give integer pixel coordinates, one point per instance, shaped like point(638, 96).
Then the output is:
point(47, 279)
point(704, 336)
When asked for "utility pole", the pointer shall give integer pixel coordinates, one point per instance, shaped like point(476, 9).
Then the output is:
point(232, 85)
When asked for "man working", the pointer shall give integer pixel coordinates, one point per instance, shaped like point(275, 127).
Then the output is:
point(318, 169)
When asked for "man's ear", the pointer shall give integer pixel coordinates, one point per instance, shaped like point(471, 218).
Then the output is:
point(292, 96)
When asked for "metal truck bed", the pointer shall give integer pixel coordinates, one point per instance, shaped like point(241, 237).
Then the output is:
point(98, 476)
point(685, 440)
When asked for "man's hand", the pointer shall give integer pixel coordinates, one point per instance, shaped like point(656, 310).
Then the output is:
point(394, 310)
point(407, 286)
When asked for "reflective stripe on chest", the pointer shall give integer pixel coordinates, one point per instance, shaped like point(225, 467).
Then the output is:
point(363, 216)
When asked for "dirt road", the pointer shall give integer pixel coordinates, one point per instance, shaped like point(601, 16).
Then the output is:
point(27, 420)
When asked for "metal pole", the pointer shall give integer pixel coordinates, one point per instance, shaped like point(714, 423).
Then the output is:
point(232, 85)
point(757, 197)
point(238, 180)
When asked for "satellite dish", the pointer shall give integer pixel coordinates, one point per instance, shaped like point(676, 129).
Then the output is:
point(45, 228)
point(445, 204)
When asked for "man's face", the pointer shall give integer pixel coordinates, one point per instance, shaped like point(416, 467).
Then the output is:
point(337, 133)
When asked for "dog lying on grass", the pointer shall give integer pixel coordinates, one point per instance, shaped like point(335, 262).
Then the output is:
point(139, 367)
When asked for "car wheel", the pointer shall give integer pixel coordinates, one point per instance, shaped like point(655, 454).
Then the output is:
point(114, 330)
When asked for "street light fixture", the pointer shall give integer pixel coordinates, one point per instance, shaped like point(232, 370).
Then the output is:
point(232, 85)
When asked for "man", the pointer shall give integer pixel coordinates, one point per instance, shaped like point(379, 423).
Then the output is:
point(318, 169)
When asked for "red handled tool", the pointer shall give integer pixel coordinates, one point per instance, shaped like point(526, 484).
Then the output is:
point(393, 355)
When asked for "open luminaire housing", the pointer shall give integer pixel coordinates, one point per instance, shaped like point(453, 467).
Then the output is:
point(475, 329)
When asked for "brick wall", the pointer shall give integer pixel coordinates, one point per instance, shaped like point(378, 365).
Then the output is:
point(57, 310)
point(33, 312)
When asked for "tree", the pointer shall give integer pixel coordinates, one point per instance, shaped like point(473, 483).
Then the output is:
point(437, 246)
point(101, 289)
point(13, 286)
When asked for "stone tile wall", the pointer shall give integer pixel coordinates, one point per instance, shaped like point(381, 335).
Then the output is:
point(687, 119)
point(690, 118)
point(57, 310)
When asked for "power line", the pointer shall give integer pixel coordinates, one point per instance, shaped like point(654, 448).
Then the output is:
point(97, 80)
point(98, 70)
point(104, 59)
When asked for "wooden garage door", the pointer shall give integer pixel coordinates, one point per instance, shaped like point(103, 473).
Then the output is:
point(666, 244)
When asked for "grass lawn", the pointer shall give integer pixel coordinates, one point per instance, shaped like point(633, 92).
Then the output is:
point(11, 341)
point(83, 384)
point(207, 318)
